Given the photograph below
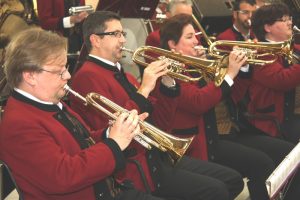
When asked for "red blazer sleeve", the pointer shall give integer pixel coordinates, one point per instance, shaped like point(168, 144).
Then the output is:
point(51, 14)
point(199, 100)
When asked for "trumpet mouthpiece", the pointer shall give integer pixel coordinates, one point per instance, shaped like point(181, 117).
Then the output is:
point(127, 50)
point(249, 22)
point(296, 29)
point(199, 48)
point(66, 87)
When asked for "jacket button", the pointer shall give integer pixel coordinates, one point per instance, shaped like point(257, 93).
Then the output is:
point(210, 141)
point(212, 157)
point(158, 185)
point(208, 126)
point(150, 156)
point(101, 195)
point(59, 116)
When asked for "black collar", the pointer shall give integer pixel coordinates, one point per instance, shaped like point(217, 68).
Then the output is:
point(45, 107)
point(103, 64)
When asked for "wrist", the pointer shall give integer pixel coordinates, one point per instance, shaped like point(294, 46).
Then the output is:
point(143, 91)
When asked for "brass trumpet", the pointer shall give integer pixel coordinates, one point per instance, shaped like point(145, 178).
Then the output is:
point(254, 50)
point(209, 69)
point(149, 136)
point(176, 70)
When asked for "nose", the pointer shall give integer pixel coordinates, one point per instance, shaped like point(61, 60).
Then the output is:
point(123, 39)
point(67, 76)
point(195, 40)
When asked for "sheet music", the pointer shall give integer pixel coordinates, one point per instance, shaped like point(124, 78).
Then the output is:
point(283, 172)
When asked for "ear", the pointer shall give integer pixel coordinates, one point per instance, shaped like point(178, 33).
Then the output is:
point(234, 15)
point(171, 44)
point(267, 28)
point(95, 40)
point(29, 77)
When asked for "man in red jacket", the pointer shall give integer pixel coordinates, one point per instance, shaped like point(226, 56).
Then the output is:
point(101, 73)
point(54, 15)
point(51, 152)
point(274, 87)
point(240, 30)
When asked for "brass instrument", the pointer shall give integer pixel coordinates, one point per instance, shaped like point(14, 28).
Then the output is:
point(78, 9)
point(149, 136)
point(254, 50)
point(296, 29)
point(209, 69)
point(201, 29)
point(176, 70)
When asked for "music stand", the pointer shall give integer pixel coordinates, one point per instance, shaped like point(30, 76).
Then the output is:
point(133, 8)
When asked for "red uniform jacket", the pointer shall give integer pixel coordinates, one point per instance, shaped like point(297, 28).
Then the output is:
point(45, 159)
point(51, 14)
point(188, 120)
point(96, 76)
point(232, 34)
point(153, 39)
point(267, 92)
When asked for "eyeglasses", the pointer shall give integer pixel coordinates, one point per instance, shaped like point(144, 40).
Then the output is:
point(117, 34)
point(245, 12)
point(286, 19)
point(63, 75)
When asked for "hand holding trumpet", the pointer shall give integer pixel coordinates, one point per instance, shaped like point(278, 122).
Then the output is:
point(152, 72)
point(237, 58)
point(126, 127)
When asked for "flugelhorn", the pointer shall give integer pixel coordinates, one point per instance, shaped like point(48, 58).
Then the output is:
point(176, 70)
point(149, 135)
point(214, 70)
point(258, 53)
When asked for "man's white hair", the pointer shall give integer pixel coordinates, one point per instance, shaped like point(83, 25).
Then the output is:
point(173, 3)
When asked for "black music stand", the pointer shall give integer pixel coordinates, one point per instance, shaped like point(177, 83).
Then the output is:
point(130, 8)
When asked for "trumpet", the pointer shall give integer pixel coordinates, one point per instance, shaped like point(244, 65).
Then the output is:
point(208, 69)
point(254, 50)
point(149, 136)
point(175, 68)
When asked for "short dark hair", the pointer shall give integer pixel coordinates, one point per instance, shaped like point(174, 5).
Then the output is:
point(267, 14)
point(96, 23)
point(172, 29)
point(237, 3)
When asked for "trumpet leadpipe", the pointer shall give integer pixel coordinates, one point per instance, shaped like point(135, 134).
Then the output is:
point(139, 138)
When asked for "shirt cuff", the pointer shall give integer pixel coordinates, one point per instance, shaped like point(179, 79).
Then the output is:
point(107, 132)
point(245, 68)
point(67, 22)
point(168, 81)
point(228, 80)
